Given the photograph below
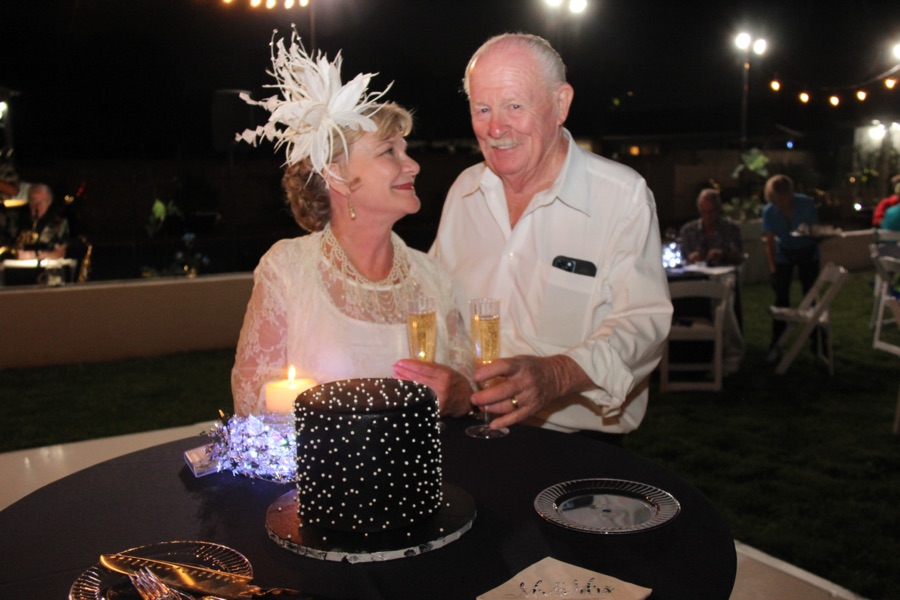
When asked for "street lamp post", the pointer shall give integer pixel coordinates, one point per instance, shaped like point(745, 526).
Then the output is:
point(745, 43)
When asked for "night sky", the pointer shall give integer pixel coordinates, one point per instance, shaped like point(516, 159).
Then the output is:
point(122, 78)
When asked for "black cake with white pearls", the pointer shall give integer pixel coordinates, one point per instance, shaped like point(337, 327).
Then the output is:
point(368, 455)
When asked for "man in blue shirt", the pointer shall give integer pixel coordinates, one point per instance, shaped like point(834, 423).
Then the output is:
point(787, 220)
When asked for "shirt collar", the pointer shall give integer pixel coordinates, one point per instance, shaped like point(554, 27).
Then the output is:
point(570, 186)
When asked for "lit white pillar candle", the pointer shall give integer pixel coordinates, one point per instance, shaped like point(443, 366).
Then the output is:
point(280, 395)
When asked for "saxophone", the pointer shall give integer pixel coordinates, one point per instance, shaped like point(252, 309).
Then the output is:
point(85, 270)
point(29, 237)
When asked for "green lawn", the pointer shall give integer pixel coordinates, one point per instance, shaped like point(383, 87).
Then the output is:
point(802, 466)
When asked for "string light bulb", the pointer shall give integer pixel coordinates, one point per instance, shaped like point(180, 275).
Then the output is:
point(804, 97)
point(861, 95)
point(272, 4)
point(877, 131)
point(834, 100)
point(775, 85)
point(575, 6)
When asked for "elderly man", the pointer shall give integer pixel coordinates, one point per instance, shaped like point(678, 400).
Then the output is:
point(711, 238)
point(569, 242)
point(49, 230)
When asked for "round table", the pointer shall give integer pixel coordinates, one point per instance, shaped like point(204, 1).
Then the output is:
point(52, 535)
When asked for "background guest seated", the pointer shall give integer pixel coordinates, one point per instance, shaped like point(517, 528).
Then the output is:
point(11, 191)
point(713, 239)
point(891, 220)
point(48, 236)
point(885, 203)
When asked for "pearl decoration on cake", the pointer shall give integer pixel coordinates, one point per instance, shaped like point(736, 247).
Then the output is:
point(336, 425)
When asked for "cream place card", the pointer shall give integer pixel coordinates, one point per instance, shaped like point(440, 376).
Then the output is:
point(551, 578)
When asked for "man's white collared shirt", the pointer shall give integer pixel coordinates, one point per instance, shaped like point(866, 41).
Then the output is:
point(612, 324)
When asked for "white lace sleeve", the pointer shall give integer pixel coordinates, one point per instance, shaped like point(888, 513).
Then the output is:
point(261, 351)
point(451, 328)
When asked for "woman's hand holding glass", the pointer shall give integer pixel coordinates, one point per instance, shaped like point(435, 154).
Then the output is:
point(452, 387)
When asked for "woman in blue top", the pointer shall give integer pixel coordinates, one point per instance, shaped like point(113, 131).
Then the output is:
point(787, 220)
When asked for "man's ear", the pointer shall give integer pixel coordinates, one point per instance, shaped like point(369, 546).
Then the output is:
point(564, 95)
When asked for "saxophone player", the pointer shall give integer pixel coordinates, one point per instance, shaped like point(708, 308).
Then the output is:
point(49, 233)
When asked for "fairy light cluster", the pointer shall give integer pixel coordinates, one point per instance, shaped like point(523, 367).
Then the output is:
point(258, 446)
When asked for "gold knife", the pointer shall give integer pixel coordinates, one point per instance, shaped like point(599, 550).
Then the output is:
point(197, 579)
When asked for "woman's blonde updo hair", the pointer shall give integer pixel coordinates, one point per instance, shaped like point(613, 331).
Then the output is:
point(307, 192)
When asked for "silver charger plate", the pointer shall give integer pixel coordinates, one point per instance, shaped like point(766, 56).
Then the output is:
point(606, 506)
point(454, 518)
point(99, 583)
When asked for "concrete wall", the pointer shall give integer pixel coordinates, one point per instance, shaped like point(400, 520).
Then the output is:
point(92, 322)
point(99, 321)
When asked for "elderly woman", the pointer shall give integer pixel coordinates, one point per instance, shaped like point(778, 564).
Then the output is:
point(332, 304)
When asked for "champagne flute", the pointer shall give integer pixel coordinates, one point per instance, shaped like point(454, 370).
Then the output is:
point(421, 330)
point(485, 330)
point(421, 327)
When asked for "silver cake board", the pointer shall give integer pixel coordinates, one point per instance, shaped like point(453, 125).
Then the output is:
point(453, 519)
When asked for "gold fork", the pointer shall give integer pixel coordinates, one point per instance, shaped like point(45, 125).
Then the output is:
point(151, 588)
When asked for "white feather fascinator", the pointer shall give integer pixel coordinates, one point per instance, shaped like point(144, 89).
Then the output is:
point(313, 107)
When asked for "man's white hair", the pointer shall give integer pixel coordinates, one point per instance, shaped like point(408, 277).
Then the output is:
point(550, 63)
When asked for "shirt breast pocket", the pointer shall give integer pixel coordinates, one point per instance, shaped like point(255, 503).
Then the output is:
point(564, 299)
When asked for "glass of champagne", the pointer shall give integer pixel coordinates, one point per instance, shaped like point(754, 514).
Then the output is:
point(485, 331)
point(421, 327)
point(421, 330)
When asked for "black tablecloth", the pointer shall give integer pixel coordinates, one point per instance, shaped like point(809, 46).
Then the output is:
point(49, 537)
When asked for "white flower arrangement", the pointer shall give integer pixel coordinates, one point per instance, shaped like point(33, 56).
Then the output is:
point(256, 446)
point(313, 107)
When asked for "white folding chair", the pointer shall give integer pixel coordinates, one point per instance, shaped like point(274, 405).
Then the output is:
point(697, 329)
point(892, 304)
point(886, 236)
point(887, 269)
point(812, 315)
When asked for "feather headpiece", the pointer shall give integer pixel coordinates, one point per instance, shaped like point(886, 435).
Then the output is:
point(313, 106)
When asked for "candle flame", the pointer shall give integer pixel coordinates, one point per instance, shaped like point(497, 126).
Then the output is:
point(292, 373)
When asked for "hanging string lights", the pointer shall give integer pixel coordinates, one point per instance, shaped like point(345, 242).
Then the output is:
point(805, 92)
point(270, 4)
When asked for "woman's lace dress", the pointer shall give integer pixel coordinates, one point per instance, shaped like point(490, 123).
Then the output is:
point(312, 310)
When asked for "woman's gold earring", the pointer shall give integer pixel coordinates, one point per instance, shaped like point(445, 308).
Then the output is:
point(350, 209)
